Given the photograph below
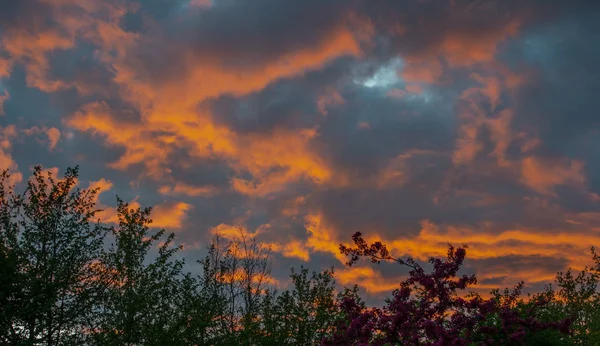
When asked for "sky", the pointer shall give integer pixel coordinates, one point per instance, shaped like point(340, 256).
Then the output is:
point(417, 123)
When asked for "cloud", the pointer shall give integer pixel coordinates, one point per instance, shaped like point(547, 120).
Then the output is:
point(54, 26)
point(53, 137)
point(543, 176)
point(330, 98)
point(304, 121)
point(3, 99)
point(201, 3)
point(158, 136)
point(52, 134)
point(368, 279)
point(103, 185)
point(7, 136)
point(292, 249)
point(170, 215)
point(183, 189)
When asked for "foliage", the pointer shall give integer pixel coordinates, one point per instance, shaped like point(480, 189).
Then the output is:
point(303, 314)
point(426, 309)
point(48, 245)
point(68, 279)
point(138, 300)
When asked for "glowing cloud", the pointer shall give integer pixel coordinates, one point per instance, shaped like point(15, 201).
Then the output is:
point(414, 123)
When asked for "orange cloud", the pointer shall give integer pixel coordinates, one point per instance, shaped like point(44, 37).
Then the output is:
point(29, 44)
point(7, 136)
point(293, 208)
point(192, 87)
point(464, 50)
point(569, 244)
point(138, 144)
point(322, 237)
point(53, 137)
point(281, 149)
point(467, 145)
point(291, 249)
point(369, 279)
point(187, 190)
point(331, 97)
point(397, 171)
point(53, 134)
point(457, 49)
point(170, 215)
point(475, 114)
point(542, 175)
point(30, 48)
point(102, 184)
point(4, 68)
point(394, 174)
point(227, 231)
point(260, 281)
point(419, 70)
point(109, 214)
point(170, 119)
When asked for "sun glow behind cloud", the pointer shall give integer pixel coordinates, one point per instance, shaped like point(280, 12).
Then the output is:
point(384, 77)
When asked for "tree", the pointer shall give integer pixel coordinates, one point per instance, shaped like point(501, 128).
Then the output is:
point(141, 289)
point(67, 279)
point(48, 244)
point(426, 309)
point(303, 314)
point(243, 271)
point(202, 303)
point(576, 295)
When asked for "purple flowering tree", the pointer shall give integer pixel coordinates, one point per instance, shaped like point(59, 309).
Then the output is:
point(426, 309)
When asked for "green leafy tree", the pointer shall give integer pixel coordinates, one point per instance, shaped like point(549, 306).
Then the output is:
point(309, 307)
point(10, 277)
point(576, 295)
point(306, 312)
point(141, 287)
point(202, 303)
point(48, 244)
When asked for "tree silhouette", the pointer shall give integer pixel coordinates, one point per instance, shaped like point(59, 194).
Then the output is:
point(68, 279)
point(49, 242)
point(137, 306)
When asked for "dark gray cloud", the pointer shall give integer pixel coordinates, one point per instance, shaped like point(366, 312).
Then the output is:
point(22, 13)
point(521, 263)
point(242, 35)
point(552, 44)
point(287, 105)
point(393, 128)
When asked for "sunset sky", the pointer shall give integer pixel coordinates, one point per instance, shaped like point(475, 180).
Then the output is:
point(415, 122)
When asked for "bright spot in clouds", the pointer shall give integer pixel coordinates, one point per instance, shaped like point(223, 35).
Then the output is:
point(385, 76)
